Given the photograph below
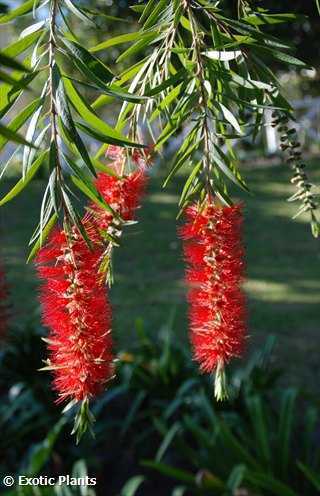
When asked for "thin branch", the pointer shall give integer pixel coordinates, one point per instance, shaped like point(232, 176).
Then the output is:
point(203, 100)
point(53, 109)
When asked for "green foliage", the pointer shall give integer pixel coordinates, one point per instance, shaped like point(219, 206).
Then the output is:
point(255, 444)
point(192, 66)
point(50, 119)
point(160, 418)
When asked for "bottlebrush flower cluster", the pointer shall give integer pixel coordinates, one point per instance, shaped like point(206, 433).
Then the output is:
point(76, 310)
point(73, 295)
point(214, 255)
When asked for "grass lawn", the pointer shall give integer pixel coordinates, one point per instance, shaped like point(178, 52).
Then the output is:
point(283, 268)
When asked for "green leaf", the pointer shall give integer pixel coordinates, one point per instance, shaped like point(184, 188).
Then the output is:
point(21, 45)
point(285, 428)
point(85, 185)
point(171, 433)
point(117, 40)
point(44, 235)
point(21, 118)
point(26, 7)
point(33, 28)
point(165, 102)
point(236, 477)
point(132, 412)
point(30, 135)
point(180, 161)
point(258, 421)
point(23, 182)
point(277, 54)
point(112, 90)
point(131, 487)
point(311, 475)
point(268, 483)
point(86, 112)
point(6, 78)
point(76, 219)
point(9, 94)
point(126, 76)
point(78, 12)
point(40, 452)
point(258, 19)
point(93, 194)
point(184, 195)
point(222, 161)
point(98, 136)
point(67, 121)
point(10, 135)
point(169, 471)
point(139, 46)
point(8, 61)
point(181, 75)
point(147, 10)
point(250, 83)
point(228, 115)
point(87, 63)
point(232, 443)
point(179, 491)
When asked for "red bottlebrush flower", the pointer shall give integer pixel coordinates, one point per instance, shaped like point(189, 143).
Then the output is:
point(73, 296)
point(4, 314)
point(122, 193)
point(76, 310)
point(214, 255)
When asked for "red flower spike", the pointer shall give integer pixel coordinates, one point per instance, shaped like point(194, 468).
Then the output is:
point(76, 310)
point(73, 297)
point(214, 255)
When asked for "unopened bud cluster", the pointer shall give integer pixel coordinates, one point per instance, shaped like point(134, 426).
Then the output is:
point(291, 146)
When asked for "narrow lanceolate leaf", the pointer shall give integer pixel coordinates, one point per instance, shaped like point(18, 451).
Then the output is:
point(117, 40)
point(10, 135)
point(21, 45)
point(30, 135)
point(32, 29)
point(131, 487)
point(9, 94)
point(86, 186)
point(223, 55)
point(23, 182)
point(222, 161)
point(78, 12)
point(87, 63)
point(139, 46)
point(258, 19)
point(312, 476)
point(26, 7)
point(98, 136)
point(6, 78)
point(229, 116)
point(112, 90)
point(286, 428)
point(21, 118)
point(89, 190)
point(45, 233)
point(65, 118)
point(87, 114)
point(11, 63)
